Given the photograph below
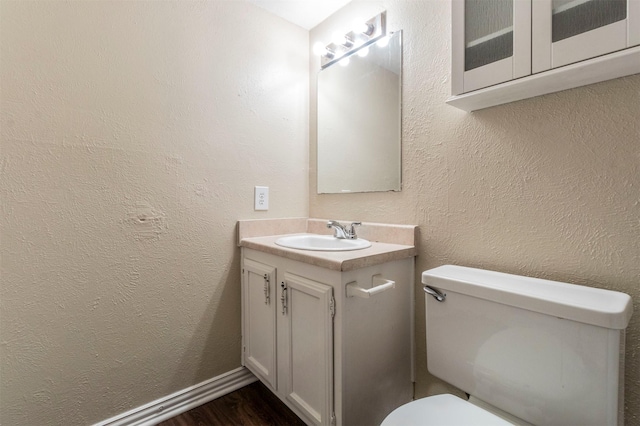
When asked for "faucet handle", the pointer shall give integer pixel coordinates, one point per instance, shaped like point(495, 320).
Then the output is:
point(352, 229)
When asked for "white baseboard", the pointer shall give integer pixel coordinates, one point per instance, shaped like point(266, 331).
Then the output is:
point(182, 401)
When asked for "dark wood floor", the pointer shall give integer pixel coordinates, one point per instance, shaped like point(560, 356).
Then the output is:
point(251, 405)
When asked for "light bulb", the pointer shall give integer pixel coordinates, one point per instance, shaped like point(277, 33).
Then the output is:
point(319, 49)
point(382, 42)
point(363, 52)
point(344, 61)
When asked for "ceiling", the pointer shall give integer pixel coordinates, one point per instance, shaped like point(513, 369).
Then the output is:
point(304, 13)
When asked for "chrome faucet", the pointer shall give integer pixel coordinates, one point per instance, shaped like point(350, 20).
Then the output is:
point(340, 231)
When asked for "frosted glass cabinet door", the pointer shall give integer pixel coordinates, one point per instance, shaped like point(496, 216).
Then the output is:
point(491, 42)
point(568, 31)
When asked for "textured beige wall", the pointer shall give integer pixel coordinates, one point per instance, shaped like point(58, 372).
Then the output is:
point(548, 187)
point(134, 132)
point(132, 136)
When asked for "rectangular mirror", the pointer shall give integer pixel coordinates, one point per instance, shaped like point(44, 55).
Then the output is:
point(359, 120)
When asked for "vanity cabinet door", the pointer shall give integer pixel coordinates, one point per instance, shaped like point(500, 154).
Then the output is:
point(569, 31)
point(491, 42)
point(308, 312)
point(259, 320)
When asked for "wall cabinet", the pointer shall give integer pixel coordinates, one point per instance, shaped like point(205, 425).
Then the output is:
point(506, 50)
point(491, 41)
point(569, 31)
point(332, 357)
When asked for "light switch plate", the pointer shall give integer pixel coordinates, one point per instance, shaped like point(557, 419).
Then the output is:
point(262, 198)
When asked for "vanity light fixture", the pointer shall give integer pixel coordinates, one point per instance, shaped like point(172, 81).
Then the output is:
point(321, 50)
point(353, 41)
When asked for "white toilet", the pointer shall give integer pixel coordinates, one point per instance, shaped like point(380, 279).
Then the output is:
point(528, 351)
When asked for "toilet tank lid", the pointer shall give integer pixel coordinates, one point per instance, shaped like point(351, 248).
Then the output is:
point(596, 306)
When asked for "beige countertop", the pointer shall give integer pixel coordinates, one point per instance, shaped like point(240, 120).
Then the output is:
point(337, 260)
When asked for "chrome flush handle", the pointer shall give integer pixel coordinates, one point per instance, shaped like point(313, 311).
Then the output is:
point(437, 294)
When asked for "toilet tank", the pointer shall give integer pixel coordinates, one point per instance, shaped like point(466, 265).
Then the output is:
point(547, 352)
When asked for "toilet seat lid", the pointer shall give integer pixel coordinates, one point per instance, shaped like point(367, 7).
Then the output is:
point(442, 410)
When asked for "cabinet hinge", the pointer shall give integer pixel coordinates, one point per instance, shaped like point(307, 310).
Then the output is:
point(332, 307)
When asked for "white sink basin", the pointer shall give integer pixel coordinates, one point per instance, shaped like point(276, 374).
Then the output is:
point(322, 243)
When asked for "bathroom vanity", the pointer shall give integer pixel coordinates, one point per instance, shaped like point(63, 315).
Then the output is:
point(330, 333)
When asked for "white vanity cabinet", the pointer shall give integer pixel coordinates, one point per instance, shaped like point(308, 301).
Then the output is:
point(333, 358)
point(507, 50)
point(288, 335)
